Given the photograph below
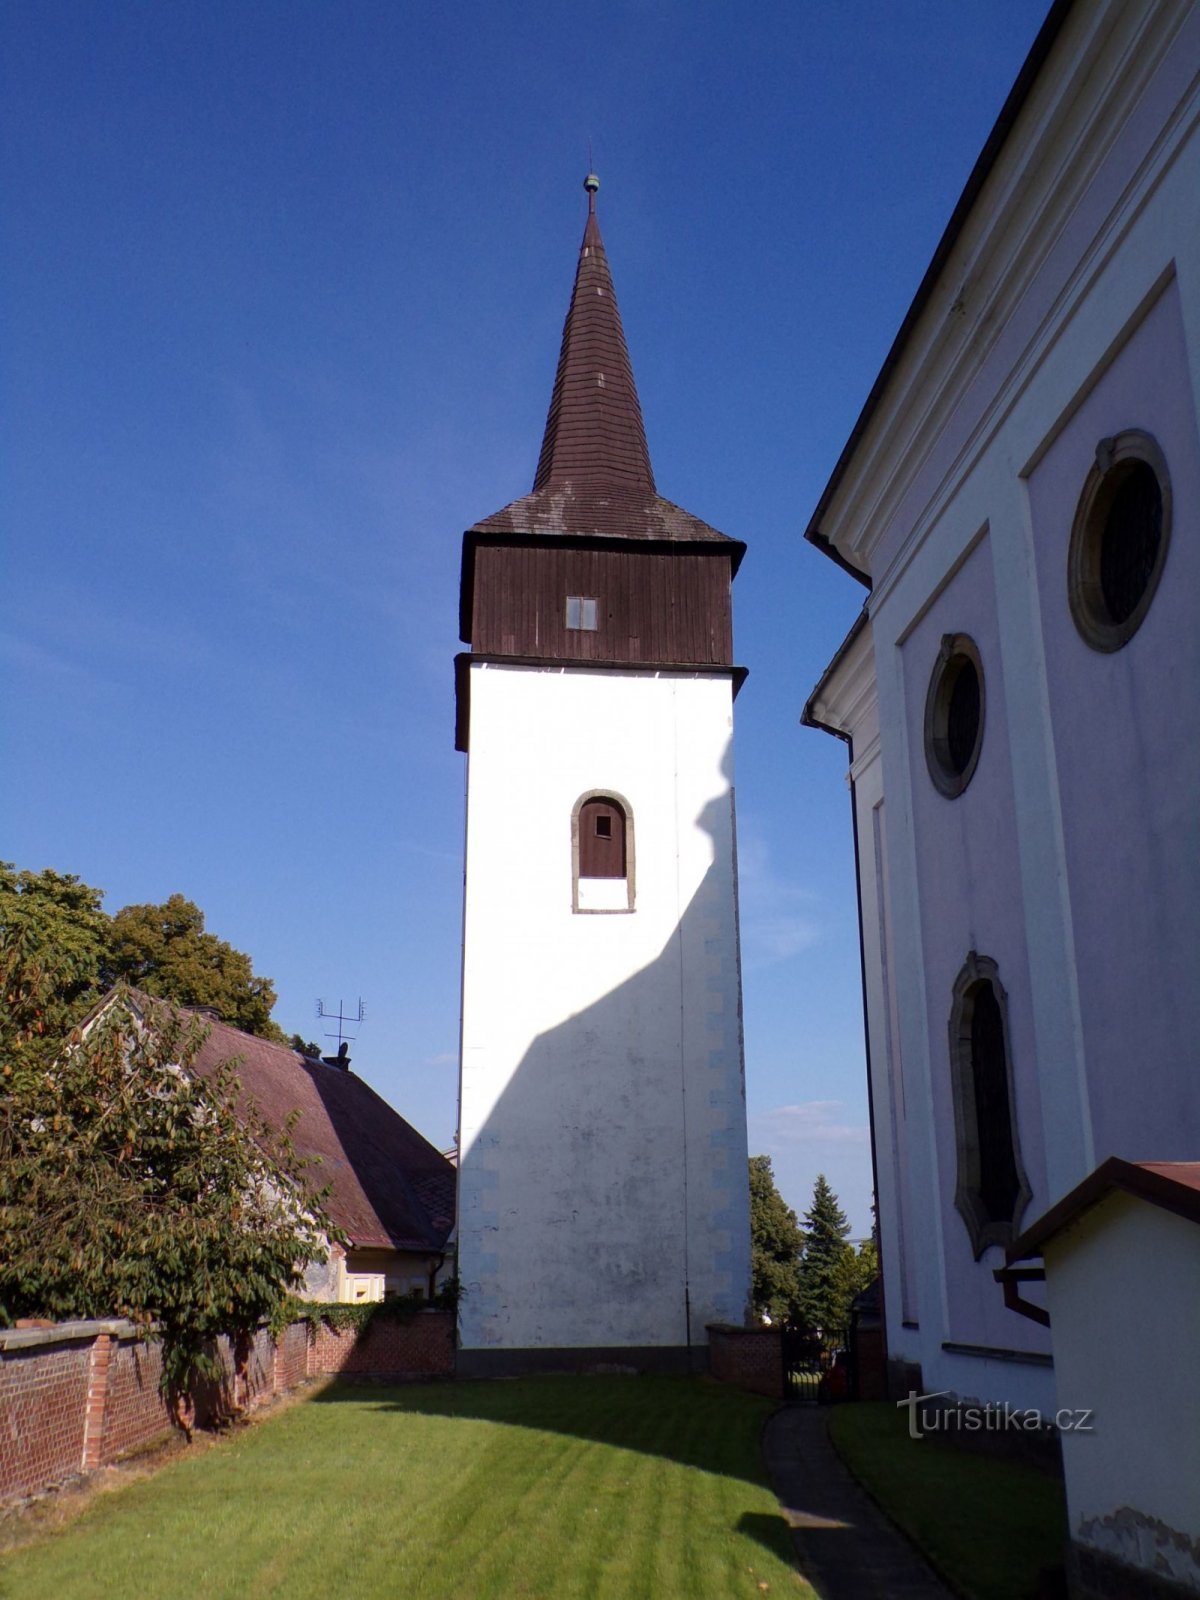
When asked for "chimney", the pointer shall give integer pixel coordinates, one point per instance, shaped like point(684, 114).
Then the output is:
point(342, 1059)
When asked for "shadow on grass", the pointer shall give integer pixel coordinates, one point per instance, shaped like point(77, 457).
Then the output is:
point(770, 1531)
point(694, 1421)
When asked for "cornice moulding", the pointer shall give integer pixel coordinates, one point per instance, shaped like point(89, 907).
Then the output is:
point(1061, 141)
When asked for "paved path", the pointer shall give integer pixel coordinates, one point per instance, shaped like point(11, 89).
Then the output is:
point(848, 1549)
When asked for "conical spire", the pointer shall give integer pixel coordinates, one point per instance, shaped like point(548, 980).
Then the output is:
point(594, 478)
point(594, 427)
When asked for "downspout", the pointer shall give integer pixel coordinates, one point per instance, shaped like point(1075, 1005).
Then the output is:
point(433, 1272)
point(811, 721)
point(1009, 1278)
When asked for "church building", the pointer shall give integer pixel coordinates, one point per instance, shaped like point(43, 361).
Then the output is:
point(603, 1203)
point(1019, 695)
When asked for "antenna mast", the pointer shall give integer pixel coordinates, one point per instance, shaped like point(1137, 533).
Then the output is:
point(341, 1017)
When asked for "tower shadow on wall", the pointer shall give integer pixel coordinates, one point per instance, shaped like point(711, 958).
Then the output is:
point(604, 1199)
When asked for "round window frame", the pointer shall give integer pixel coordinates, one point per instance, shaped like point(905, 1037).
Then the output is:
point(1084, 593)
point(946, 780)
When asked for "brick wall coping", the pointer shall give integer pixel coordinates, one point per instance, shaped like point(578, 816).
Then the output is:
point(66, 1332)
point(734, 1327)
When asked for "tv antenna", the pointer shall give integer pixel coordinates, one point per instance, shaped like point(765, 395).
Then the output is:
point(341, 1017)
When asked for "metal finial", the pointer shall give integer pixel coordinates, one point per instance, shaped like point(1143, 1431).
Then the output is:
point(591, 183)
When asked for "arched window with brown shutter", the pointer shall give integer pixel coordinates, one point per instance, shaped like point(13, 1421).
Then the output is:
point(601, 839)
point(602, 853)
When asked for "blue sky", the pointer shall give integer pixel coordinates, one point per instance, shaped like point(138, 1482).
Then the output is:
point(284, 285)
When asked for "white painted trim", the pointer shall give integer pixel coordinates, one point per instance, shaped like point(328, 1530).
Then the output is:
point(945, 355)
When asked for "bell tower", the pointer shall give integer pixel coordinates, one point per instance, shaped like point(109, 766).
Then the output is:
point(603, 1202)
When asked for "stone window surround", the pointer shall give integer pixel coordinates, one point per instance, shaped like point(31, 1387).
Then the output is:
point(945, 779)
point(1087, 531)
point(984, 1229)
point(616, 799)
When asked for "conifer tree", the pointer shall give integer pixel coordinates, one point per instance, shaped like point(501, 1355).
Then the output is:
point(822, 1300)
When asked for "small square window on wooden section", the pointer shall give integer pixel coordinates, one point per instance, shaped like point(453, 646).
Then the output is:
point(582, 613)
point(602, 853)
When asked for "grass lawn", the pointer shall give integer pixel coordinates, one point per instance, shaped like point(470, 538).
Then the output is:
point(603, 1488)
point(989, 1526)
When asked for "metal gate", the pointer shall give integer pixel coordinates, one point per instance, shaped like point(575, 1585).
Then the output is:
point(817, 1366)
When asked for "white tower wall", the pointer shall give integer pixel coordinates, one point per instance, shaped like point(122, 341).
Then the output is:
point(603, 1198)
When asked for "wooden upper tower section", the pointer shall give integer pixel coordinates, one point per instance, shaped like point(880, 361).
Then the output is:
point(594, 567)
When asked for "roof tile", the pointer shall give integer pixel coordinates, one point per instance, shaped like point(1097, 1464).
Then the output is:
point(594, 476)
point(389, 1187)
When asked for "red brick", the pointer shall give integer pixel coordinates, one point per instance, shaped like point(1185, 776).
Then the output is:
point(87, 1399)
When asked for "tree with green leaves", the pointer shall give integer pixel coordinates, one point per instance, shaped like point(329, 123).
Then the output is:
point(60, 951)
point(860, 1268)
point(164, 950)
point(822, 1300)
point(53, 941)
point(775, 1245)
point(130, 1186)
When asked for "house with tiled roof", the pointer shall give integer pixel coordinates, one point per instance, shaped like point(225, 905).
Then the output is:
point(390, 1192)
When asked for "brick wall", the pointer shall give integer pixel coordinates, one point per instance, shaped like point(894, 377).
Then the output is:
point(870, 1358)
point(80, 1395)
point(420, 1348)
point(43, 1402)
point(134, 1413)
point(291, 1358)
point(748, 1358)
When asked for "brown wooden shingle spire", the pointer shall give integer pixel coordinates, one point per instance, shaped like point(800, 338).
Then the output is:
point(594, 478)
point(594, 427)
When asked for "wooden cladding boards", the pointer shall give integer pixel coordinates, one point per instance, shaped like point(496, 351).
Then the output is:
point(601, 839)
point(654, 606)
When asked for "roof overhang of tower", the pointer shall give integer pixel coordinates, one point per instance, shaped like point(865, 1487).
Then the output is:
point(594, 479)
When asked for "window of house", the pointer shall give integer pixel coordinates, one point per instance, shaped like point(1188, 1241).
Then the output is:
point(602, 853)
point(992, 1190)
point(1119, 540)
point(954, 708)
point(582, 613)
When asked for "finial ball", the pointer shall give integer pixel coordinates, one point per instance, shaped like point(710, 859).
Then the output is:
point(591, 183)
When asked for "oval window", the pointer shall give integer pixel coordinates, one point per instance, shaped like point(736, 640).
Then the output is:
point(1119, 540)
point(954, 715)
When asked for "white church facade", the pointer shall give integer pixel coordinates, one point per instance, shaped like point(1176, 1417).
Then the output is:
point(603, 1203)
point(1021, 699)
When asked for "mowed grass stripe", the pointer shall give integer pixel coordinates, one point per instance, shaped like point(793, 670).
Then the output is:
point(599, 1488)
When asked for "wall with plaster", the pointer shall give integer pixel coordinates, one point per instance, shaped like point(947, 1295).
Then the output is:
point(602, 1185)
point(1123, 1286)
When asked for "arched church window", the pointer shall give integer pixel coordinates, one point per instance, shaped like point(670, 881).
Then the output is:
point(602, 853)
point(992, 1190)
